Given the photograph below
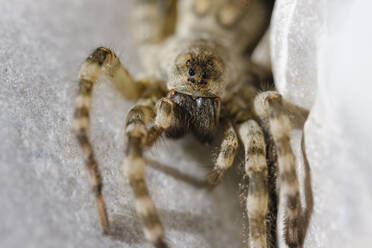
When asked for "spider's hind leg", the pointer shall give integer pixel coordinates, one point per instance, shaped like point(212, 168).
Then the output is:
point(268, 106)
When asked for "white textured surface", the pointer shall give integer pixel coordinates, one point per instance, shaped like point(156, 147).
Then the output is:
point(296, 30)
point(45, 198)
point(321, 59)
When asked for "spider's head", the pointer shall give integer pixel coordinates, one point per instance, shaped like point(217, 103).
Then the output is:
point(199, 71)
point(197, 82)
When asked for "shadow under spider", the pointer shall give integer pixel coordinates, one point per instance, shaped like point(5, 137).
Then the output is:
point(177, 174)
point(128, 228)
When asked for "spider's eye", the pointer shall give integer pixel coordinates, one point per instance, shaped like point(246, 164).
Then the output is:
point(205, 75)
point(188, 62)
point(191, 72)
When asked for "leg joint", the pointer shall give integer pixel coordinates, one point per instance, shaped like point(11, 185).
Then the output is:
point(100, 55)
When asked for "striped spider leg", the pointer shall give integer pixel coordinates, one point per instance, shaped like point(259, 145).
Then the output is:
point(140, 115)
point(226, 155)
point(101, 58)
point(252, 138)
point(269, 107)
point(143, 127)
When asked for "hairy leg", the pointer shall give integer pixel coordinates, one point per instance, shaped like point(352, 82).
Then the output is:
point(231, 11)
point(268, 105)
point(141, 131)
point(201, 7)
point(157, 18)
point(226, 155)
point(252, 137)
point(101, 58)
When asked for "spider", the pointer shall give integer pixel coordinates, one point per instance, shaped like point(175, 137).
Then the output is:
point(199, 79)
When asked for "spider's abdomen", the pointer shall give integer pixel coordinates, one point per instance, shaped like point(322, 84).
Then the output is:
point(199, 115)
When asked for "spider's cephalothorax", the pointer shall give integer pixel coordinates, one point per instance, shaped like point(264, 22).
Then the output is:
point(199, 70)
point(197, 83)
point(199, 80)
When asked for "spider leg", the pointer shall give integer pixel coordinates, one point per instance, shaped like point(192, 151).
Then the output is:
point(268, 105)
point(252, 137)
point(158, 19)
point(226, 155)
point(230, 12)
point(89, 72)
point(139, 136)
point(201, 7)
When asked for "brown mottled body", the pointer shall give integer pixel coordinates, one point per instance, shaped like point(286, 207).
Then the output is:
point(196, 59)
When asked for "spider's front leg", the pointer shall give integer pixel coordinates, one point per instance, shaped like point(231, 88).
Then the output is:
point(141, 132)
point(252, 137)
point(226, 155)
point(269, 105)
point(101, 58)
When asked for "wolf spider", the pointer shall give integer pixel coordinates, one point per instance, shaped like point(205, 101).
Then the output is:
point(199, 79)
